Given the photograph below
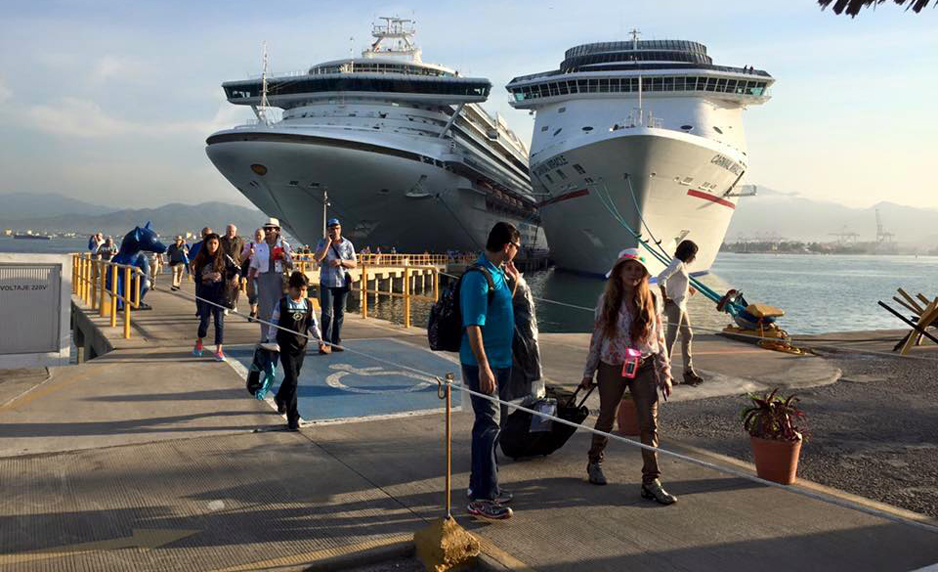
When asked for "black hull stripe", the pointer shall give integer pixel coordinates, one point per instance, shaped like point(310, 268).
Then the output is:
point(312, 140)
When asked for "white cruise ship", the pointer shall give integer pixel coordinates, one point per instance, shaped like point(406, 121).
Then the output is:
point(649, 132)
point(399, 149)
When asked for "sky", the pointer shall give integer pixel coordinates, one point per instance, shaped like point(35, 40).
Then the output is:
point(111, 101)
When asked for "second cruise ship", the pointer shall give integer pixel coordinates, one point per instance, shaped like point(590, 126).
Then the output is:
point(641, 135)
point(399, 149)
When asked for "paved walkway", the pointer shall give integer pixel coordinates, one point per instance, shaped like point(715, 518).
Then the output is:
point(151, 459)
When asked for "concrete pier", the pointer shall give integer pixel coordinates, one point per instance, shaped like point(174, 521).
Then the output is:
point(148, 458)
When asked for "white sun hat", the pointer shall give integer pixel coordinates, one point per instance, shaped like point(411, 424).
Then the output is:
point(272, 222)
point(630, 254)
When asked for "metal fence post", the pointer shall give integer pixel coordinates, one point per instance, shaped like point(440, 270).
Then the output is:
point(407, 296)
point(127, 302)
point(114, 294)
point(104, 304)
point(364, 291)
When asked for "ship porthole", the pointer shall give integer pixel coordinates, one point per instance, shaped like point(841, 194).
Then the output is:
point(259, 169)
point(384, 191)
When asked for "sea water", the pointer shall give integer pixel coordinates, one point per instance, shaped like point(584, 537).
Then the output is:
point(819, 293)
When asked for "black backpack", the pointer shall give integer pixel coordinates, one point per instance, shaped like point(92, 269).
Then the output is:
point(444, 329)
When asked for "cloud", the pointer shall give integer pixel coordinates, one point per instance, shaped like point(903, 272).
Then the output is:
point(76, 117)
point(109, 66)
point(5, 92)
point(82, 118)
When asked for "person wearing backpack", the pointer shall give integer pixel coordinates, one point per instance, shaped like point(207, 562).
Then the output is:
point(485, 303)
point(297, 323)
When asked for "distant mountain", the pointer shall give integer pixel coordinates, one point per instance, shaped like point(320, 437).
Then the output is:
point(35, 205)
point(794, 217)
point(167, 220)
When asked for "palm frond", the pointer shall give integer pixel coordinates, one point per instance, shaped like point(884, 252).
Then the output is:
point(853, 7)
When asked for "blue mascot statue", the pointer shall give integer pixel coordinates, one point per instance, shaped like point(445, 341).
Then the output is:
point(131, 252)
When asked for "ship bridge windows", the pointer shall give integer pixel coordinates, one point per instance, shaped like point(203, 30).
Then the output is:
point(561, 174)
point(630, 85)
point(361, 84)
point(579, 169)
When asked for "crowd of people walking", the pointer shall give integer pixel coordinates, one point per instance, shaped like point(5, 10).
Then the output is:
point(634, 332)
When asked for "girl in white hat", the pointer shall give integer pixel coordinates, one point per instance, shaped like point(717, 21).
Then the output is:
point(628, 350)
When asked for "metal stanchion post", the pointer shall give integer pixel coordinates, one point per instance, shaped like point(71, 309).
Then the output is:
point(449, 444)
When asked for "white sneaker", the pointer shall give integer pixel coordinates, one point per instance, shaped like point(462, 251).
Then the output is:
point(226, 311)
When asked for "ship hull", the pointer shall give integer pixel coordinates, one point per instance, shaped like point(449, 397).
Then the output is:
point(385, 195)
point(588, 224)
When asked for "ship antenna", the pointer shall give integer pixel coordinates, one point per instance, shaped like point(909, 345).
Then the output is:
point(262, 112)
point(635, 33)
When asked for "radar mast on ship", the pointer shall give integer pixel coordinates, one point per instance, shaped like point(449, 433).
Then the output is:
point(394, 39)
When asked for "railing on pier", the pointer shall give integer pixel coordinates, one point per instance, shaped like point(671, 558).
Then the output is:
point(95, 282)
point(406, 292)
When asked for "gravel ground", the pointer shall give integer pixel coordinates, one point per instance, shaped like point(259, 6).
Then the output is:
point(873, 434)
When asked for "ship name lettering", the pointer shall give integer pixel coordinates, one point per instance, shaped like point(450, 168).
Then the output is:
point(552, 163)
point(727, 163)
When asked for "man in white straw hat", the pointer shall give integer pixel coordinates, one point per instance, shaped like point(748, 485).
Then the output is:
point(270, 259)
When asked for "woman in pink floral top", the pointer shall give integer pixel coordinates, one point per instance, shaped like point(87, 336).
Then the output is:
point(629, 318)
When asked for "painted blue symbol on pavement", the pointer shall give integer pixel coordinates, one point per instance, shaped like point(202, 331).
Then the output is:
point(375, 377)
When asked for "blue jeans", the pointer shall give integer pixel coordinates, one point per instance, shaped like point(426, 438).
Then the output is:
point(332, 301)
point(483, 478)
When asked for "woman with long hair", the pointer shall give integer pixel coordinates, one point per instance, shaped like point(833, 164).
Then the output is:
point(627, 350)
point(214, 270)
point(674, 282)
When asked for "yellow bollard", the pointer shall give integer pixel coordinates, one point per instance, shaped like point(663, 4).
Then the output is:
point(102, 273)
point(364, 291)
point(127, 303)
point(114, 293)
point(436, 284)
point(105, 305)
point(407, 296)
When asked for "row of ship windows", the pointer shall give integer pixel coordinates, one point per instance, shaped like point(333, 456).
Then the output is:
point(378, 68)
point(625, 85)
point(353, 84)
point(616, 127)
point(682, 45)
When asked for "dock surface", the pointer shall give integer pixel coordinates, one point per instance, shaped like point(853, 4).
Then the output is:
point(148, 458)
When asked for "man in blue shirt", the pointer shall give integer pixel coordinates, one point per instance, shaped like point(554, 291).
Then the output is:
point(485, 355)
point(335, 255)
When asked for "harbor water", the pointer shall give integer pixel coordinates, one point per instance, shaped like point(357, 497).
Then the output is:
point(819, 293)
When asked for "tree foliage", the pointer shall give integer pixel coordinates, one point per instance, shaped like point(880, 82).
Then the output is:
point(853, 7)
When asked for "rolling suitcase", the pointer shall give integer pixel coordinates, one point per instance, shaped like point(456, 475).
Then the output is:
point(528, 435)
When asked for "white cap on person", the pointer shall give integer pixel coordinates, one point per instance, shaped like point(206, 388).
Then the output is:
point(630, 254)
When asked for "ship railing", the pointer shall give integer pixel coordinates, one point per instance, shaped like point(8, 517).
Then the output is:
point(407, 282)
point(97, 283)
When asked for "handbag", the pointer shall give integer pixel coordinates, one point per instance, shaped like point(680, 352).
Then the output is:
point(348, 277)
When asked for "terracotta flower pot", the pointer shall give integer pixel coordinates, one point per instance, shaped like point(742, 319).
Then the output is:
point(627, 417)
point(776, 461)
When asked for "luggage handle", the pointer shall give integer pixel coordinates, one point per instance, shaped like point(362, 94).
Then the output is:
point(572, 400)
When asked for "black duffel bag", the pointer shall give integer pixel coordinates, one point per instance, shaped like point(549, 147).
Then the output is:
point(527, 435)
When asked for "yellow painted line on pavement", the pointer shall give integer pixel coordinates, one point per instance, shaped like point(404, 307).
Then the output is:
point(310, 558)
point(142, 538)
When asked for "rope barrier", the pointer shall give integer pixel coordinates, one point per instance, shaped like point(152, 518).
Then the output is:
point(758, 339)
point(447, 380)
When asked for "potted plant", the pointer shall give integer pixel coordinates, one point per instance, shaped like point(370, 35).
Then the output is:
point(627, 416)
point(776, 430)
